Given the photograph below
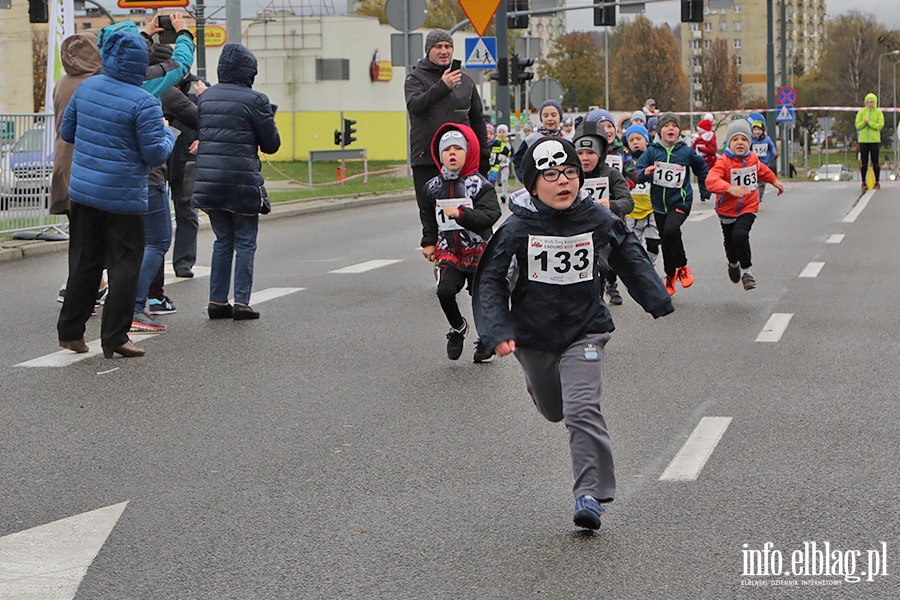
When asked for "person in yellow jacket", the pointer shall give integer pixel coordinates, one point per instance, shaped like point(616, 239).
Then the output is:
point(641, 220)
point(869, 122)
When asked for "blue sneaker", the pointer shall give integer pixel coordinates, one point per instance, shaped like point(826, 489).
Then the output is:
point(160, 307)
point(588, 512)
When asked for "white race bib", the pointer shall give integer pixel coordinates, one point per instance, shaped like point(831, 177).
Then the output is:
point(444, 222)
point(744, 177)
point(669, 175)
point(561, 260)
point(597, 187)
point(614, 161)
point(762, 150)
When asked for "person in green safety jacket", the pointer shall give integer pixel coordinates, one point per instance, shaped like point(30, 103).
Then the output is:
point(869, 122)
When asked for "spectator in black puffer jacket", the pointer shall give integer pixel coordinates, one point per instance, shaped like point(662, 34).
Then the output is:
point(235, 124)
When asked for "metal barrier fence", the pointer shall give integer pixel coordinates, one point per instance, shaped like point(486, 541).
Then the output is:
point(26, 166)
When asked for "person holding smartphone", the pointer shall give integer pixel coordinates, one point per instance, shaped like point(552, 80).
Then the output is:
point(438, 92)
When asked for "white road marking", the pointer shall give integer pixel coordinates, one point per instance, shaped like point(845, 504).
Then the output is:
point(812, 269)
point(272, 293)
point(701, 216)
point(836, 238)
point(170, 274)
point(774, 328)
point(366, 266)
point(49, 561)
point(64, 358)
point(689, 461)
point(851, 216)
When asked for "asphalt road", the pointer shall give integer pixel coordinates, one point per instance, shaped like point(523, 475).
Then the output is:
point(330, 449)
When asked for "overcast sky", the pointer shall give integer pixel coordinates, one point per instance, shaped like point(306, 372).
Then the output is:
point(886, 11)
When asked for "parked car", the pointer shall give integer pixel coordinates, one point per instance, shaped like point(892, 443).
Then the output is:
point(832, 173)
point(26, 168)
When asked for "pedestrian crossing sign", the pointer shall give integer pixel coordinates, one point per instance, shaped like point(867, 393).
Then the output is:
point(785, 114)
point(481, 53)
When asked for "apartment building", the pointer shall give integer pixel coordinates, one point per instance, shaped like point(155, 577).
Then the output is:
point(743, 24)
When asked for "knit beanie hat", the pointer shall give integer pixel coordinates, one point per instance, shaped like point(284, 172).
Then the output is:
point(554, 104)
point(668, 117)
point(638, 115)
point(549, 152)
point(454, 137)
point(708, 117)
point(652, 123)
point(738, 126)
point(589, 136)
point(760, 124)
point(436, 36)
point(489, 127)
point(637, 128)
point(705, 125)
point(598, 115)
point(502, 128)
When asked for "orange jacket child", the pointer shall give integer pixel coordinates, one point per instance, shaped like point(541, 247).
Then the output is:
point(744, 171)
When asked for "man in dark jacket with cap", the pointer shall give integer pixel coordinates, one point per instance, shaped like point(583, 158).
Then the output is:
point(436, 95)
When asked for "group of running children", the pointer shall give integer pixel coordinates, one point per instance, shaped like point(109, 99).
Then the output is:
point(587, 206)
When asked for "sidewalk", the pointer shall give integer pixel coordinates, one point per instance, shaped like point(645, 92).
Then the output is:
point(13, 249)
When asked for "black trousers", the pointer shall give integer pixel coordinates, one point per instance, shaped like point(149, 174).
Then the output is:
point(450, 283)
point(737, 240)
point(669, 226)
point(865, 150)
point(99, 239)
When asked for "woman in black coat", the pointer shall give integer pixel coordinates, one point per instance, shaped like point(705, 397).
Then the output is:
point(235, 123)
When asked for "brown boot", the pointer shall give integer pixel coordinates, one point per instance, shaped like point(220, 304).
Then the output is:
point(75, 346)
point(128, 350)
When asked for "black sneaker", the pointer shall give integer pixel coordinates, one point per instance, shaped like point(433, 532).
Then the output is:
point(455, 340)
point(612, 290)
point(734, 272)
point(482, 353)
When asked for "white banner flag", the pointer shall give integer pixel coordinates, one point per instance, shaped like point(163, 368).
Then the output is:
point(61, 26)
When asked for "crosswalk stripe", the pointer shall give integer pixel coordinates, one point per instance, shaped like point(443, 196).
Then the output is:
point(272, 293)
point(170, 274)
point(366, 266)
point(692, 457)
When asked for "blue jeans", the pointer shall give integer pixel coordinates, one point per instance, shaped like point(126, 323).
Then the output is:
point(157, 237)
point(235, 235)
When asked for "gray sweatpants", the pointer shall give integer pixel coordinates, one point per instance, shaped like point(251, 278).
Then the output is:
point(569, 388)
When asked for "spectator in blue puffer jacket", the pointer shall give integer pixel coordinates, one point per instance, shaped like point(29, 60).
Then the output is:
point(235, 124)
point(119, 134)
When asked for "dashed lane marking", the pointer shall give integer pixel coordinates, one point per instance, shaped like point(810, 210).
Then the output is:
point(692, 457)
point(366, 266)
point(812, 269)
point(64, 358)
point(774, 327)
point(851, 216)
point(836, 238)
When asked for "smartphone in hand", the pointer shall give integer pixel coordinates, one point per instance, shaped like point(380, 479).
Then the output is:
point(455, 64)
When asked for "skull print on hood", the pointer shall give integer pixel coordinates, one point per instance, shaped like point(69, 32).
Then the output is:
point(549, 152)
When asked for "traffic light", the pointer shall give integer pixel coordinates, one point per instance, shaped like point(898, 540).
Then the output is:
point(349, 131)
point(604, 13)
point(520, 21)
point(517, 72)
point(38, 12)
point(337, 137)
point(501, 75)
point(691, 11)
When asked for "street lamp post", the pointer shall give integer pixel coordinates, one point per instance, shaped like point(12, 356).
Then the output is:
point(891, 53)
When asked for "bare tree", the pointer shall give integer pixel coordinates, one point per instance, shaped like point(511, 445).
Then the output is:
point(720, 79)
point(39, 64)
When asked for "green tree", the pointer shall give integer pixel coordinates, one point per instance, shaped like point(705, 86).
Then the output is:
point(576, 61)
point(647, 64)
point(442, 14)
point(720, 78)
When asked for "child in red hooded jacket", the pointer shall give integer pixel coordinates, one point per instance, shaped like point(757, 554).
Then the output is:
point(457, 225)
point(734, 179)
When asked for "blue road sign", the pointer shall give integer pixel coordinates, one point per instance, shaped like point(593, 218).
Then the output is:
point(785, 114)
point(481, 53)
point(787, 95)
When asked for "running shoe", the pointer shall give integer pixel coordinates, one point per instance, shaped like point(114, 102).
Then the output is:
point(734, 272)
point(612, 290)
point(670, 284)
point(455, 340)
point(482, 353)
point(161, 307)
point(749, 281)
point(685, 277)
point(141, 321)
point(588, 512)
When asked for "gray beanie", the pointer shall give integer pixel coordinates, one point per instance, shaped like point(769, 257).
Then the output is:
point(638, 115)
point(738, 126)
point(667, 117)
point(435, 36)
point(453, 137)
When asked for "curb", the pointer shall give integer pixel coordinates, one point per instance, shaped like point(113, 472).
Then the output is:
point(280, 210)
